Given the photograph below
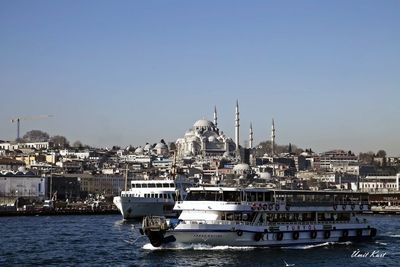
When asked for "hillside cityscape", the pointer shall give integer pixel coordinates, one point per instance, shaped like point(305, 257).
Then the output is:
point(37, 166)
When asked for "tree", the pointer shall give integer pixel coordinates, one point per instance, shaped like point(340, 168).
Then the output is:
point(367, 158)
point(265, 147)
point(36, 136)
point(59, 141)
point(172, 146)
point(381, 154)
point(77, 144)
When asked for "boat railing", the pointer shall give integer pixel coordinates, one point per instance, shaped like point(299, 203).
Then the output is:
point(323, 203)
point(225, 222)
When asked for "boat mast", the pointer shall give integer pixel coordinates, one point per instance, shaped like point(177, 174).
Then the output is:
point(126, 176)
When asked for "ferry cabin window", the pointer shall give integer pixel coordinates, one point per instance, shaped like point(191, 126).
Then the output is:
point(152, 185)
point(251, 196)
point(204, 195)
point(260, 196)
point(159, 185)
point(231, 196)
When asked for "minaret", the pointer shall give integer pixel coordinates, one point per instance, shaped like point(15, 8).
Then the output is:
point(273, 138)
point(251, 136)
point(215, 117)
point(237, 129)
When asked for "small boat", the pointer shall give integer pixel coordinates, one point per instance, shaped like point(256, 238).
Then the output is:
point(262, 217)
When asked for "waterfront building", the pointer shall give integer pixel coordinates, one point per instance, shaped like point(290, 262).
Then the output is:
point(22, 183)
point(346, 167)
point(379, 183)
point(337, 157)
point(107, 185)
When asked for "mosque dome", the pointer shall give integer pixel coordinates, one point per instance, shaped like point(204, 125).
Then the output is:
point(161, 146)
point(147, 147)
point(139, 150)
point(203, 123)
point(189, 133)
point(241, 167)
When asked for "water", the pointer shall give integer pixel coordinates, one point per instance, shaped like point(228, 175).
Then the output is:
point(109, 241)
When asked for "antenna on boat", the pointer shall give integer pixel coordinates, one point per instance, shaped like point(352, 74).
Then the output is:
point(174, 166)
point(126, 176)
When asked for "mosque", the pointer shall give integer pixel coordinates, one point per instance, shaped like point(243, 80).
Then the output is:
point(205, 139)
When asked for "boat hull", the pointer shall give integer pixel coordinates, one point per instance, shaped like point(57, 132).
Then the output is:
point(215, 235)
point(137, 208)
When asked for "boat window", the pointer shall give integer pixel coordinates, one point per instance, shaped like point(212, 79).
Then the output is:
point(171, 185)
point(138, 185)
point(229, 216)
point(152, 195)
point(204, 195)
point(159, 185)
point(260, 196)
point(144, 185)
point(231, 196)
point(238, 216)
point(252, 197)
point(152, 185)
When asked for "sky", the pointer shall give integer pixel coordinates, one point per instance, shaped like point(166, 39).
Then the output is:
point(131, 72)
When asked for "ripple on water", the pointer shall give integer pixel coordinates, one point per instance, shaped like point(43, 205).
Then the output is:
point(107, 240)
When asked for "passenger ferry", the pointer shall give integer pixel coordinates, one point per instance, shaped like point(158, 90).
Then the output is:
point(151, 197)
point(262, 217)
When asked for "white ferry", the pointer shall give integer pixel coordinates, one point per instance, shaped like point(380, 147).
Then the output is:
point(262, 217)
point(151, 197)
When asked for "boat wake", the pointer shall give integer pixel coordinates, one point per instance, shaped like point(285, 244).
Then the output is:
point(148, 246)
point(318, 245)
point(195, 247)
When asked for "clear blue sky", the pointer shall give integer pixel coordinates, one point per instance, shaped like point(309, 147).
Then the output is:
point(127, 72)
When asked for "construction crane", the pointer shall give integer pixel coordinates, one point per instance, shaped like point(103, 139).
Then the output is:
point(19, 119)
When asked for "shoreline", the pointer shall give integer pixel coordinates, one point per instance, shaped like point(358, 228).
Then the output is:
point(57, 213)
